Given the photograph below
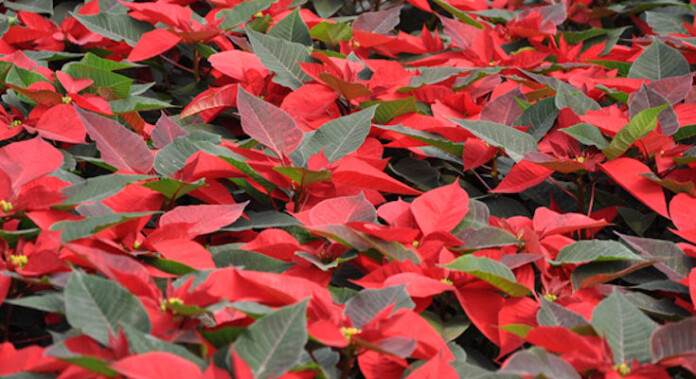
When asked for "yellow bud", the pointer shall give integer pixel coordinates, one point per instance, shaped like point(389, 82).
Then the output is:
point(446, 281)
point(580, 159)
point(348, 332)
point(15, 123)
point(258, 14)
point(19, 260)
point(137, 244)
point(66, 99)
point(5, 205)
point(623, 369)
point(415, 243)
point(550, 297)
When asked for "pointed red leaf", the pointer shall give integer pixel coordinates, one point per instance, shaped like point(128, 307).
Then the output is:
point(118, 146)
point(187, 252)
point(435, 368)
point(268, 124)
point(25, 161)
point(157, 364)
point(341, 210)
point(235, 63)
point(203, 219)
point(360, 174)
point(627, 173)
point(441, 209)
point(523, 175)
point(547, 222)
point(61, 123)
point(153, 43)
point(72, 85)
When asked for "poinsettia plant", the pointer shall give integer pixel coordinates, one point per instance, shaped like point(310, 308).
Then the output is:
point(347, 189)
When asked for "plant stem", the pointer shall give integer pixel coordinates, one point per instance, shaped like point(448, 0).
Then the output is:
point(350, 355)
point(581, 194)
point(196, 65)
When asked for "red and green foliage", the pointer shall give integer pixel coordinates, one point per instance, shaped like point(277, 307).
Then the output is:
point(346, 189)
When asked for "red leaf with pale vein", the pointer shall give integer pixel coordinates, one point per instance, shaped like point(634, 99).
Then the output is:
point(627, 173)
point(341, 210)
point(212, 99)
point(61, 123)
point(435, 368)
point(25, 161)
point(268, 124)
point(374, 365)
point(360, 174)
point(166, 131)
point(187, 252)
point(235, 63)
point(548, 222)
point(118, 146)
point(157, 364)
point(203, 219)
point(692, 286)
point(523, 175)
point(441, 209)
point(153, 43)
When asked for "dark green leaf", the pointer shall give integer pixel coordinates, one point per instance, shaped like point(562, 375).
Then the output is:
point(490, 271)
point(98, 306)
point(659, 61)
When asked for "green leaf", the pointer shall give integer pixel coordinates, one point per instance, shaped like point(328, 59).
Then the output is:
point(115, 26)
point(587, 134)
point(671, 340)
point(87, 227)
point(222, 337)
point(539, 363)
point(303, 176)
point(639, 126)
point(461, 16)
point(490, 271)
point(364, 306)
point(514, 142)
point(262, 220)
point(137, 103)
point(540, 117)
point(99, 187)
point(281, 57)
point(484, 237)
point(225, 256)
point(659, 61)
point(448, 329)
point(169, 266)
point(51, 302)
point(35, 6)
point(595, 273)
point(98, 306)
point(142, 343)
point(393, 250)
point(341, 136)
point(173, 189)
point(662, 308)
point(431, 75)
point(390, 109)
point(431, 139)
point(552, 314)
point(273, 345)
point(626, 328)
point(241, 13)
point(569, 96)
point(593, 251)
point(118, 84)
point(173, 157)
point(326, 8)
point(292, 28)
point(332, 33)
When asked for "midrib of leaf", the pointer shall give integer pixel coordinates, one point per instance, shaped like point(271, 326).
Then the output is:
point(275, 345)
point(345, 140)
